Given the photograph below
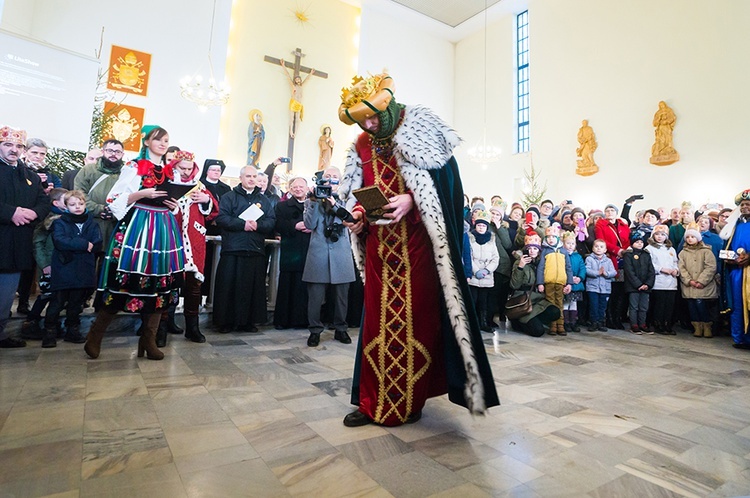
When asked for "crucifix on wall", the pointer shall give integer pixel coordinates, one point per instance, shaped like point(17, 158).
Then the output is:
point(296, 108)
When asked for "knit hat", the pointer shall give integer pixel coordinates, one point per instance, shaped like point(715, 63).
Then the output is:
point(577, 210)
point(694, 230)
point(478, 207)
point(638, 235)
point(482, 217)
point(596, 212)
point(565, 213)
point(534, 209)
point(613, 207)
point(660, 228)
point(742, 196)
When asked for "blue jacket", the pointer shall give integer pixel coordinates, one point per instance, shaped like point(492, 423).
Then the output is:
point(73, 266)
point(578, 267)
point(601, 284)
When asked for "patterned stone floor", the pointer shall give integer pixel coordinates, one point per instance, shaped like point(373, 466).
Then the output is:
point(590, 415)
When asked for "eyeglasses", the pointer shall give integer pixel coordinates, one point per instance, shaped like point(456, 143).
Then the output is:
point(114, 151)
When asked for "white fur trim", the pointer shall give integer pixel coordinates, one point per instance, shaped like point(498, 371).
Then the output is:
point(423, 142)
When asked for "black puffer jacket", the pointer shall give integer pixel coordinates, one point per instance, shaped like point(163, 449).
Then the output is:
point(638, 269)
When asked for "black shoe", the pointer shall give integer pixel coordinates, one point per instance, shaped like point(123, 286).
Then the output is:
point(31, 330)
point(414, 417)
point(601, 328)
point(172, 326)
point(12, 342)
point(74, 336)
point(161, 334)
point(23, 309)
point(741, 345)
point(248, 328)
point(575, 328)
point(313, 341)
point(567, 327)
point(342, 337)
point(225, 329)
point(49, 341)
point(358, 419)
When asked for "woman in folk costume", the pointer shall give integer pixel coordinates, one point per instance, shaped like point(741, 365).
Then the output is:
point(142, 270)
point(420, 334)
point(195, 209)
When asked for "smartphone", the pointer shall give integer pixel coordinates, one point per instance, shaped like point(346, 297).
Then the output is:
point(529, 218)
point(284, 159)
point(525, 252)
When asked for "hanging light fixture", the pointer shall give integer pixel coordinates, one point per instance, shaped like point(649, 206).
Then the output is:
point(483, 152)
point(209, 93)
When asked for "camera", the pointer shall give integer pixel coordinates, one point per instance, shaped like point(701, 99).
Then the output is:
point(323, 189)
point(284, 159)
point(333, 231)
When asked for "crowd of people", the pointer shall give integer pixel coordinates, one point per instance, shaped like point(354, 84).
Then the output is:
point(422, 273)
point(602, 268)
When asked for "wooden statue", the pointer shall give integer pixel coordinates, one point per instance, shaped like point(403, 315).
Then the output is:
point(662, 152)
point(325, 144)
point(585, 151)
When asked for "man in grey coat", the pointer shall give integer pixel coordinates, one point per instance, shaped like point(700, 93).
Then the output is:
point(329, 261)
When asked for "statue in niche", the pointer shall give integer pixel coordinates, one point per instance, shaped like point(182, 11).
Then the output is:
point(662, 152)
point(585, 151)
point(256, 134)
point(325, 144)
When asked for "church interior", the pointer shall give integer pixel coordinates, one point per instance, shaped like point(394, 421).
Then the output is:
point(592, 414)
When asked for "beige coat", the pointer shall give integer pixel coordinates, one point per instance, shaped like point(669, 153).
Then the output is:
point(698, 263)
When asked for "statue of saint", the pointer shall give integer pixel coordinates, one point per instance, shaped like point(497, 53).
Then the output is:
point(585, 151)
point(325, 144)
point(255, 136)
point(662, 152)
point(295, 104)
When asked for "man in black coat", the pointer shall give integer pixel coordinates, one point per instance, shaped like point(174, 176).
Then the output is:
point(22, 203)
point(240, 296)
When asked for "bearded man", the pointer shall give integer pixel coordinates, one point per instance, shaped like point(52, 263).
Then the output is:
point(420, 334)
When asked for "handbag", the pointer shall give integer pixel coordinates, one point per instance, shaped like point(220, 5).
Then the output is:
point(518, 306)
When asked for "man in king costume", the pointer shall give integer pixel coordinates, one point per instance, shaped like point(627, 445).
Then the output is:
point(737, 269)
point(411, 267)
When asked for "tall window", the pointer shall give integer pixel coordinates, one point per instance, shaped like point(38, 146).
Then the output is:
point(522, 72)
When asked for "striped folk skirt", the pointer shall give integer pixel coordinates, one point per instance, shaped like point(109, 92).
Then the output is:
point(143, 266)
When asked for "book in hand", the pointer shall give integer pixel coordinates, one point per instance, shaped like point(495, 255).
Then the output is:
point(252, 213)
point(372, 199)
point(176, 190)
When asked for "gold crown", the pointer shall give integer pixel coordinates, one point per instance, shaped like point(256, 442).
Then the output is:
point(11, 135)
point(365, 97)
point(183, 155)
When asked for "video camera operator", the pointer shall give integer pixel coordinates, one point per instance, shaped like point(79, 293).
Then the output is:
point(329, 256)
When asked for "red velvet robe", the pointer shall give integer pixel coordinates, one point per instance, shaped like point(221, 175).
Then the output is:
point(402, 358)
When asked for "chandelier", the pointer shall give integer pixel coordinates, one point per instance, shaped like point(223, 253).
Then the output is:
point(209, 93)
point(484, 153)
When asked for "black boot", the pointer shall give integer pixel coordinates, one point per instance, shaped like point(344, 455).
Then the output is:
point(50, 337)
point(192, 331)
point(31, 330)
point(171, 325)
point(161, 333)
point(74, 335)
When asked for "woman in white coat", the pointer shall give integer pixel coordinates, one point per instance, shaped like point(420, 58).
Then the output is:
point(484, 261)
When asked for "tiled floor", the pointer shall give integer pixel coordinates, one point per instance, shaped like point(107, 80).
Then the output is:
point(593, 415)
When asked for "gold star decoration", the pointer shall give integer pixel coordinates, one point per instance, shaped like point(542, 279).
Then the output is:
point(301, 15)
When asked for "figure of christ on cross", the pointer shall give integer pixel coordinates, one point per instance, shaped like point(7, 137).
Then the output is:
point(295, 104)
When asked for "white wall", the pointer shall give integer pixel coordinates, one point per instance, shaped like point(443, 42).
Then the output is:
point(178, 45)
point(329, 40)
point(422, 65)
point(611, 63)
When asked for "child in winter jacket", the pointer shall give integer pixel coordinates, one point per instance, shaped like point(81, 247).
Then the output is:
point(484, 261)
point(697, 266)
point(600, 272)
point(578, 268)
point(664, 260)
point(554, 275)
point(77, 238)
point(639, 280)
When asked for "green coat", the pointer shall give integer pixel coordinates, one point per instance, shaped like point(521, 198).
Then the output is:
point(524, 279)
point(96, 199)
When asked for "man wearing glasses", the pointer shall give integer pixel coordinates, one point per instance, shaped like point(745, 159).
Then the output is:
point(96, 180)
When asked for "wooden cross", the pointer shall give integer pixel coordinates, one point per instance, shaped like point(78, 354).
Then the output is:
point(298, 68)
